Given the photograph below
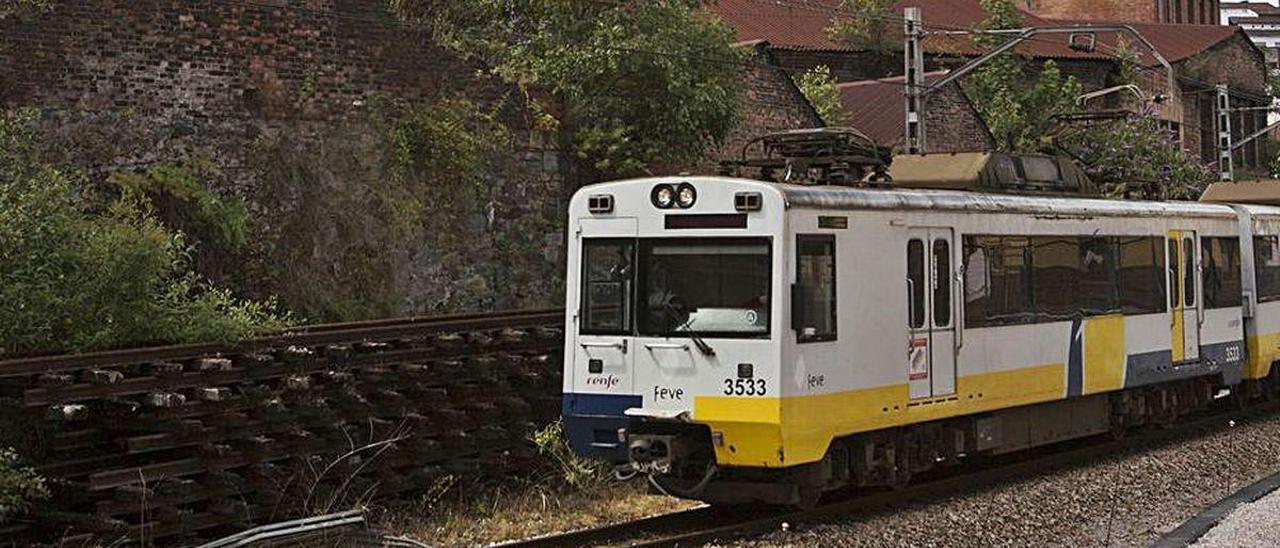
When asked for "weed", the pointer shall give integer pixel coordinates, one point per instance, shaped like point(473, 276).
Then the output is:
point(19, 485)
point(579, 473)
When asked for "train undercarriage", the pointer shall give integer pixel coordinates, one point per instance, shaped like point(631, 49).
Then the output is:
point(679, 459)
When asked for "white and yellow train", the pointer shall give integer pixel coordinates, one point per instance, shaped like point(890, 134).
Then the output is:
point(741, 340)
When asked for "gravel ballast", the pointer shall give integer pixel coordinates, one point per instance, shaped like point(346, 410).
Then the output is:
point(1128, 499)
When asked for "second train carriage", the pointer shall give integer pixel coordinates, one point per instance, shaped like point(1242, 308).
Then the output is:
point(742, 340)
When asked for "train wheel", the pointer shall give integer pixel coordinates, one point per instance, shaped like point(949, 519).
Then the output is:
point(1119, 430)
point(1240, 395)
point(809, 497)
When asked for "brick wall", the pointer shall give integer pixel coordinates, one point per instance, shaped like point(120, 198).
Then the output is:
point(1200, 12)
point(772, 103)
point(1237, 63)
point(953, 124)
point(845, 66)
point(1094, 10)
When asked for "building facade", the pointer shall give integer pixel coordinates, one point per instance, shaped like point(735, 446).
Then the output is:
point(1193, 12)
point(1200, 56)
point(1260, 19)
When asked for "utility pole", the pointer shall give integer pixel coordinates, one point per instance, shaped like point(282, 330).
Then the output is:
point(1224, 135)
point(913, 60)
point(917, 92)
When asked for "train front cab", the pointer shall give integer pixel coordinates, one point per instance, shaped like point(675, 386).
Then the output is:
point(672, 317)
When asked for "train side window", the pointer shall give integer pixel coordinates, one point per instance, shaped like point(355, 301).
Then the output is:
point(941, 283)
point(1266, 264)
point(816, 281)
point(1188, 272)
point(997, 281)
point(915, 282)
point(1174, 285)
point(607, 272)
point(1055, 262)
point(1140, 275)
point(1221, 283)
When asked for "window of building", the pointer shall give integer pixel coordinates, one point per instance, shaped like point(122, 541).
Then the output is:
point(1221, 272)
point(1266, 260)
point(816, 282)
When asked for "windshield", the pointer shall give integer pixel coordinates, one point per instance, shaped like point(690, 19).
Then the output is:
point(705, 286)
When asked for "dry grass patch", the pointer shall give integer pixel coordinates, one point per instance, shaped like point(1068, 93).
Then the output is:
point(566, 493)
point(530, 510)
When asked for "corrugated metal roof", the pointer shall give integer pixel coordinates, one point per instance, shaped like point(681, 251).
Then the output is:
point(876, 106)
point(803, 24)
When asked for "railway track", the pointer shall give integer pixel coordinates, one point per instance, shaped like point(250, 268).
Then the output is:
point(185, 441)
point(702, 525)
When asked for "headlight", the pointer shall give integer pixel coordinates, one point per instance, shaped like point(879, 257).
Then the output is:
point(686, 195)
point(663, 196)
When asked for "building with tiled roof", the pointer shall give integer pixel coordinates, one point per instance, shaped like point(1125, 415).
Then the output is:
point(1202, 56)
point(954, 125)
point(1260, 19)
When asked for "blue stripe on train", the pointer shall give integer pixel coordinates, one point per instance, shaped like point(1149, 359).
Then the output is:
point(591, 422)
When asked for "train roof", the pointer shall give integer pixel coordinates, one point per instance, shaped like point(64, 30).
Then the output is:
point(831, 197)
point(849, 197)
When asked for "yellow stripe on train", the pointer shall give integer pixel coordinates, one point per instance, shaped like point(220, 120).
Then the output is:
point(753, 432)
point(1263, 351)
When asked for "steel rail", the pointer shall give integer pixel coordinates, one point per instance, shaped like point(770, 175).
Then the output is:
point(706, 524)
point(681, 519)
point(353, 332)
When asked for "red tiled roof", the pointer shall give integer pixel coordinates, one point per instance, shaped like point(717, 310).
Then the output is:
point(876, 107)
point(803, 24)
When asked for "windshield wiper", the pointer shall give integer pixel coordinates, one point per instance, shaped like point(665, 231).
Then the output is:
point(693, 335)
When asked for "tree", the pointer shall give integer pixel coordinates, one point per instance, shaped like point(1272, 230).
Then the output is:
point(819, 87)
point(1137, 157)
point(630, 83)
point(868, 25)
point(1018, 108)
point(80, 273)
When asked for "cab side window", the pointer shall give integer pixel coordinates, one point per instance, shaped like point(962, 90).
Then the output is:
point(606, 290)
point(814, 304)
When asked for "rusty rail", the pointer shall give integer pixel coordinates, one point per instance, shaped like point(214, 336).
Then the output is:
point(186, 442)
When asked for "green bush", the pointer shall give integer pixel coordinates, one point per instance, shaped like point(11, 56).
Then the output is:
point(19, 485)
point(77, 275)
point(579, 473)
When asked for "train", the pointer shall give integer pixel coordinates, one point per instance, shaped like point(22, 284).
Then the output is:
point(745, 340)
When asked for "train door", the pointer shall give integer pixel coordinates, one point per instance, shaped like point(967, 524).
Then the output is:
point(1184, 311)
point(602, 359)
point(931, 344)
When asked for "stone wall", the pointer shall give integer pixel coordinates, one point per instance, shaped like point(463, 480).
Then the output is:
point(297, 106)
point(282, 97)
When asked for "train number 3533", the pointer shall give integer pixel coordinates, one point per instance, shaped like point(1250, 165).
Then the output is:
point(744, 387)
